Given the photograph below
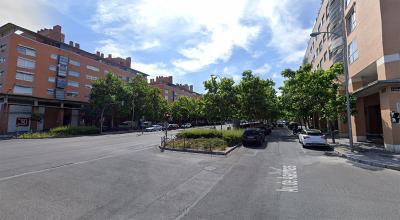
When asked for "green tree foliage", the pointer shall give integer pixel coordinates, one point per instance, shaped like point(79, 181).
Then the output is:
point(106, 95)
point(308, 92)
point(114, 98)
point(257, 97)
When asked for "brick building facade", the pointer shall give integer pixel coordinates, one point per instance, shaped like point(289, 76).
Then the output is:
point(170, 91)
point(43, 76)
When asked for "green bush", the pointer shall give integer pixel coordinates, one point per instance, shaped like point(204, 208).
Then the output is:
point(200, 133)
point(71, 130)
point(37, 135)
point(205, 144)
point(232, 137)
point(61, 132)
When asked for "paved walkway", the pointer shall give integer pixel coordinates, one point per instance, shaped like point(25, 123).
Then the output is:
point(367, 153)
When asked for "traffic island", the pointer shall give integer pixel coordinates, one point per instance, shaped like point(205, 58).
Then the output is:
point(206, 141)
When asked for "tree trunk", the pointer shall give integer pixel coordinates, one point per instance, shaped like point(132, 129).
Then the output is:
point(332, 131)
point(102, 119)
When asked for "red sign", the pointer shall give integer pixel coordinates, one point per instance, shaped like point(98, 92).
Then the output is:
point(22, 122)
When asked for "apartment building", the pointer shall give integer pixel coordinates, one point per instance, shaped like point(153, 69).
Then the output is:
point(171, 91)
point(45, 82)
point(372, 31)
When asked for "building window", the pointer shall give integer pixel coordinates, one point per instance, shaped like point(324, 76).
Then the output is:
point(62, 70)
point(320, 47)
point(351, 22)
point(93, 68)
point(26, 51)
point(166, 97)
point(52, 68)
point(72, 94)
point(50, 91)
point(88, 86)
point(25, 63)
point(89, 77)
point(52, 79)
point(63, 60)
point(24, 76)
point(73, 83)
point(74, 62)
point(22, 90)
point(320, 63)
point(74, 73)
point(2, 60)
point(325, 56)
point(54, 56)
point(166, 91)
point(324, 37)
point(1, 73)
point(353, 51)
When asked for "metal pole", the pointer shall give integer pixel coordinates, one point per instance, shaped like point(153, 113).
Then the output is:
point(347, 78)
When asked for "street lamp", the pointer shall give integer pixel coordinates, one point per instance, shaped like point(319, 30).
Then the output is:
point(346, 74)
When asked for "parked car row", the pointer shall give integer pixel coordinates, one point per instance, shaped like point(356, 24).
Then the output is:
point(161, 127)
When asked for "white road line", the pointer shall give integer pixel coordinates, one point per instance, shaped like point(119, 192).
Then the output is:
point(71, 164)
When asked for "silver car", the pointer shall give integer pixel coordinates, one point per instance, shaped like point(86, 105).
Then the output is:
point(312, 137)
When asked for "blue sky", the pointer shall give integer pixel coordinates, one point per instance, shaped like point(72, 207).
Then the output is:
point(189, 39)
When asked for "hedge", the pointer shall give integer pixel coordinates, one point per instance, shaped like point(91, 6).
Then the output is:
point(232, 137)
point(61, 132)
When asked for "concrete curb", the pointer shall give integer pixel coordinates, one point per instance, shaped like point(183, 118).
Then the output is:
point(371, 163)
point(224, 153)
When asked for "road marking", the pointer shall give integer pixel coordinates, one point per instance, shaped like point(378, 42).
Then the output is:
point(289, 181)
point(71, 164)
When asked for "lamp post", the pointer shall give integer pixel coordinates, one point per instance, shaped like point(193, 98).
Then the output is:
point(346, 74)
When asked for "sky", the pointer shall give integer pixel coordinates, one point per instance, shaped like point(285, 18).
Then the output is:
point(188, 39)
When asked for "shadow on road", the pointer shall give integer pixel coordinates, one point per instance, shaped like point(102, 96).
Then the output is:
point(319, 148)
point(256, 146)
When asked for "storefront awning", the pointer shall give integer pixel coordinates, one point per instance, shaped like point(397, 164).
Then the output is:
point(375, 87)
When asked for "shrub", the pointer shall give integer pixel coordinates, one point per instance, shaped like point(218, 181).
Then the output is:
point(206, 144)
point(232, 137)
point(71, 130)
point(37, 135)
point(61, 132)
point(199, 133)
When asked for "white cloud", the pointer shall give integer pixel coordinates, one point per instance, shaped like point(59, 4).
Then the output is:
point(275, 75)
point(263, 69)
point(208, 35)
point(28, 14)
point(288, 37)
point(198, 33)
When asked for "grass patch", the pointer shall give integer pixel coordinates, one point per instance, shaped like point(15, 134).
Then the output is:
point(231, 137)
point(203, 144)
point(64, 131)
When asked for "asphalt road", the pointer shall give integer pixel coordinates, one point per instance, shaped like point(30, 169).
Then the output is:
point(125, 176)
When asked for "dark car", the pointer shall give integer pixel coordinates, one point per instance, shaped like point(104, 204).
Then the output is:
point(266, 129)
point(253, 135)
point(293, 125)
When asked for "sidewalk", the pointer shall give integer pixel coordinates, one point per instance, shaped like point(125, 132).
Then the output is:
point(367, 153)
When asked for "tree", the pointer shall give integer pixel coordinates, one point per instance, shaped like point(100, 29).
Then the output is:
point(106, 92)
point(257, 97)
point(308, 92)
point(221, 99)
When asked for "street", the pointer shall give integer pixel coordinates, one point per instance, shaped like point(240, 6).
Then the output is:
point(125, 176)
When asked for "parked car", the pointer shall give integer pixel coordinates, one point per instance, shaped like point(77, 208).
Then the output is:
point(293, 125)
point(312, 137)
point(266, 129)
point(280, 125)
point(173, 126)
point(154, 128)
point(186, 125)
point(253, 135)
point(125, 124)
